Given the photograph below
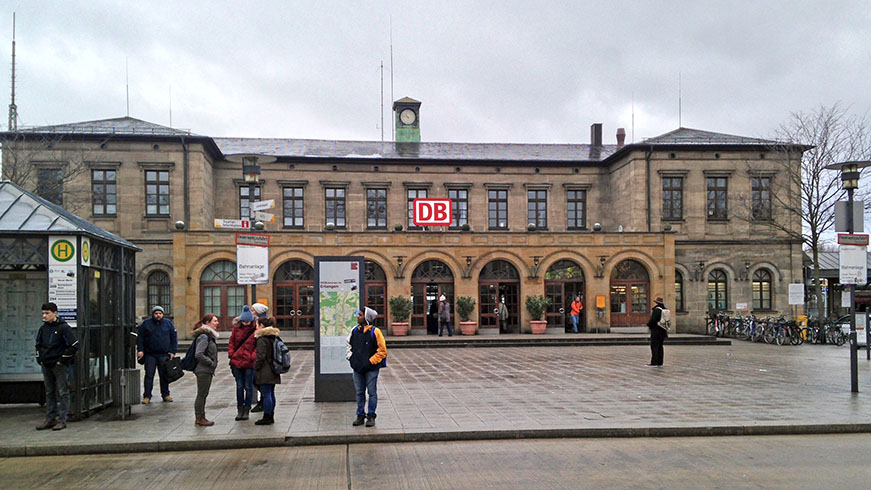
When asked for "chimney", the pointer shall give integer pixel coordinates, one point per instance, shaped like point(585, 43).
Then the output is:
point(596, 134)
point(621, 137)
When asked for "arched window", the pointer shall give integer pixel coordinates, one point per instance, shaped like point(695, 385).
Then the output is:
point(678, 291)
point(761, 290)
point(159, 292)
point(717, 285)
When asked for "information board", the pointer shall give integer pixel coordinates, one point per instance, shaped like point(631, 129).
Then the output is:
point(796, 294)
point(62, 280)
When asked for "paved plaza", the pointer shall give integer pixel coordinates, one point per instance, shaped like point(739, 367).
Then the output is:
point(493, 393)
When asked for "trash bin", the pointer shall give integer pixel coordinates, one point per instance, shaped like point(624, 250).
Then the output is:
point(126, 388)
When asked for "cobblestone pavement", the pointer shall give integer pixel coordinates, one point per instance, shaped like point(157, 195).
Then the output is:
point(468, 393)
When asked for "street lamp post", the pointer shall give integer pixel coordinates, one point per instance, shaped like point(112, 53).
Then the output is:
point(251, 174)
point(850, 175)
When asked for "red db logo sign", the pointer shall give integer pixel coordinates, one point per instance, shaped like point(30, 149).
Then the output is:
point(432, 212)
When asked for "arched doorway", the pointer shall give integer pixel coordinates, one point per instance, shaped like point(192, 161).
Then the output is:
point(294, 293)
point(430, 280)
point(219, 293)
point(562, 282)
point(630, 298)
point(376, 291)
point(499, 283)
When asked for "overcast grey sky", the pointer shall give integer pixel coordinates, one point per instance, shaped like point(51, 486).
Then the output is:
point(486, 71)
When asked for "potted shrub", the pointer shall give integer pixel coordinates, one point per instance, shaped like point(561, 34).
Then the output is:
point(400, 309)
point(465, 307)
point(536, 306)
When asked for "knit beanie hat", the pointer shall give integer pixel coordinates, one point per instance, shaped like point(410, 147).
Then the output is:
point(246, 315)
point(260, 309)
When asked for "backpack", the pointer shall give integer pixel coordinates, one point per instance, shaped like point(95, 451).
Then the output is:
point(280, 357)
point(189, 361)
point(665, 320)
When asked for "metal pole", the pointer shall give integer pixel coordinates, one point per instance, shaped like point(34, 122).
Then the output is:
point(854, 360)
point(251, 186)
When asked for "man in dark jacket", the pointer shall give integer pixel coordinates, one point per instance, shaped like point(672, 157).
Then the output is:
point(657, 333)
point(156, 343)
point(367, 353)
point(56, 347)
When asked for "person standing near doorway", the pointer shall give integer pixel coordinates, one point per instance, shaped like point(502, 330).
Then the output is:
point(444, 316)
point(502, 314)
point(157, 342)
point(575, 312)
point(56, 347)
point(657, 333)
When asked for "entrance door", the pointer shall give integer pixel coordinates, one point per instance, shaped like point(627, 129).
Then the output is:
point(219, 293)
point(294, 293)
point(630, 299)
point(562, 282)
point(498, 290)
point(376, 292)
point(295, 307)
point(429, 281)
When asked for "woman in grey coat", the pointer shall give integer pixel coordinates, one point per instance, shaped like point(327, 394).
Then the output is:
point(206, 354)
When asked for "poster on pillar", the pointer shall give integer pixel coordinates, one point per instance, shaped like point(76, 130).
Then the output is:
point(338, 296)
point(252, 265)
point(62, 277)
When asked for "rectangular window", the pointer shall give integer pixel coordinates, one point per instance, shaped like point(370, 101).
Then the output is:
point(376, 208)
point(672, 198)
point(497, 203)
point(157, 192)
point(334, 201)
point(51, 185)
point(412, 195)
point(244, 204)
point(293, 207)
point(576, 209)
point(459, 207)
point(537, 208)
point(761, 188)
point(717, 187)
point(104, 192)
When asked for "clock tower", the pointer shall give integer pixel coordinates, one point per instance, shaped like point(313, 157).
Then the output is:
point(407, 120)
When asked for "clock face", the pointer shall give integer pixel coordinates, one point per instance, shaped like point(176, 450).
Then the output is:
point(407, 116)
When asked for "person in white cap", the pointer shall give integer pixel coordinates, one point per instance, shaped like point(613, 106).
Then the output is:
point(156, 343)
point(367, 353)
point(444, 316)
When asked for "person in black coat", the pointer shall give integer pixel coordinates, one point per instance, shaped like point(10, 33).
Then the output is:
point(657, 333)
point(56, 347)
point(156, 343)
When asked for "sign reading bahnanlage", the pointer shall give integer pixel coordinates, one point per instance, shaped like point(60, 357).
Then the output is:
point(62, 280)
point(252, 264)
point(338, 293)
point(853, 261)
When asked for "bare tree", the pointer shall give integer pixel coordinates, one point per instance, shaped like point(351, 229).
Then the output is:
point(828, 134)
point(27, 153)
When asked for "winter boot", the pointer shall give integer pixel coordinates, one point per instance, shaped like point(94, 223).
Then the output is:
point(239, 412)
point(360, 419)
point(203, 422)
point(258, 407)
point(268, 419)
point(370, 420)
point(246, 409)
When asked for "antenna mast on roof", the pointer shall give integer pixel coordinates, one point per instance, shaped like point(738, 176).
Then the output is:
point(382, 103)
point(13, 109)
point(170, 105)
point(392, 99)
point(679, 108)
point(633, 116)
point(127, 84)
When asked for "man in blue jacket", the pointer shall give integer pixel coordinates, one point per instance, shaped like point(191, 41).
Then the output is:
point(157, 343)
point(56, 347)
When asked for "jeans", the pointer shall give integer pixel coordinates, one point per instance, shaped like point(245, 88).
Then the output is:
point(575, 319)
point(364, 382)
point(56, 379)
point(244, 385)
point(153, 363)
point(204, 384)
point(267, 394)
point(442, 325)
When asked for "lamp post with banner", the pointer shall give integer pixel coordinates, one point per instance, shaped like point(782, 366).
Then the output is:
point(850, 174)
point(251, 175)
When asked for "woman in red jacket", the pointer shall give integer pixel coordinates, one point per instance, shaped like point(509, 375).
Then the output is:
point(242, 354)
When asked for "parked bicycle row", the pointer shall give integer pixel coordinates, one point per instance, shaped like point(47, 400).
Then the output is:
point(775, 330)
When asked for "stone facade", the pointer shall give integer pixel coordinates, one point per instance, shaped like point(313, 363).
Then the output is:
point(623, 188)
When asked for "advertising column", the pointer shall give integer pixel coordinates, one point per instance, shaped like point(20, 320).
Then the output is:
point(62, 280)
point(338, 286)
